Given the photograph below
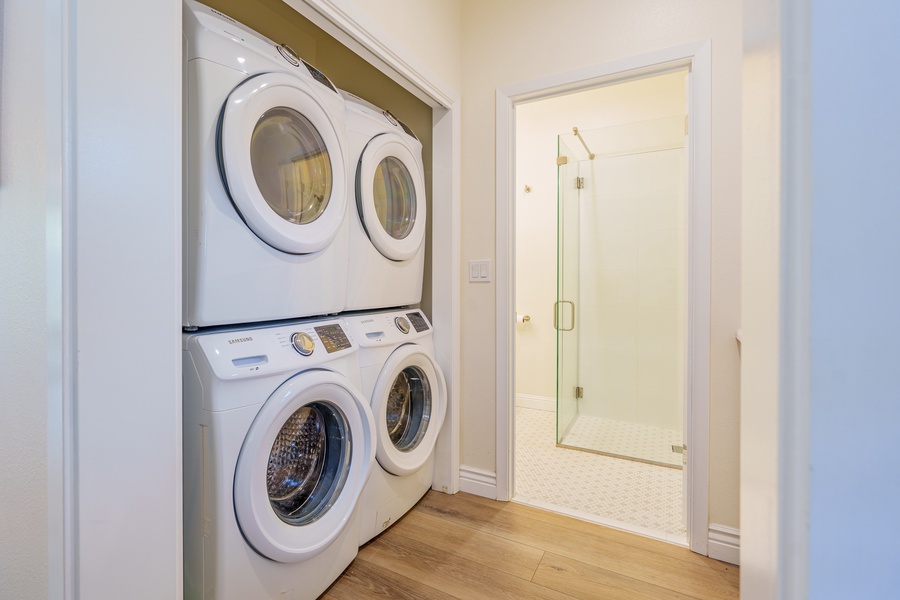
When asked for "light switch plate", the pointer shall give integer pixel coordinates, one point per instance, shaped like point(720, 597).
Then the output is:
point(479, 271)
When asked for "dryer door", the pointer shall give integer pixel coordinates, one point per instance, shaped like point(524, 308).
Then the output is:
point(302, 466)
point(390, 196)
point(409, 401)
point(281, 159)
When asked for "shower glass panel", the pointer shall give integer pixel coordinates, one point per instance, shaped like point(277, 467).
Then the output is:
point(621, 310)
point(566, 290)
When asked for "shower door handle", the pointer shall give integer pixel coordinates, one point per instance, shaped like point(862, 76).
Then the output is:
point(556, 314)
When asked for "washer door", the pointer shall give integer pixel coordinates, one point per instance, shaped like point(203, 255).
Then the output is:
point(281, 159)
point(390, 197)
point(409, 402)
point(302, 466)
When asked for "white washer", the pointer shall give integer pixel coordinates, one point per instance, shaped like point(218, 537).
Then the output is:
point(265, 234)
point(409, 400)
point(278, 443)
point(387, 233)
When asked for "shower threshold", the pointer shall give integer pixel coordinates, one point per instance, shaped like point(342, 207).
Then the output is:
point(622, 439)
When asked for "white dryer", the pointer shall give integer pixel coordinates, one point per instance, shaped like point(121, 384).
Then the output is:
point(387, 233)
point(406, 387)
point(265, 200)
point(278, 443)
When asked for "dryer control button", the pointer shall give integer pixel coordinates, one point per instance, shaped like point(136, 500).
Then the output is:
point(303, 343)
point(402, 324)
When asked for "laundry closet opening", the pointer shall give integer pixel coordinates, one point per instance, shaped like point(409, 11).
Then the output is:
point(601, 296)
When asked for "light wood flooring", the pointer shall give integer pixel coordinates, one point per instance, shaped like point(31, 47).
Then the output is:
point(468, 547)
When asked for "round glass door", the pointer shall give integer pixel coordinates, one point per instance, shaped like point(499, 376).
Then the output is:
point(394, 197)
point(408, 409)
point(302, 466)
point(390, 196)
point(409, 403)
point(308, 463)
point(281, 160)
point(291, 165)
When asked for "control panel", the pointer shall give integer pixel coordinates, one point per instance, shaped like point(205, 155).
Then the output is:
point(251, 352)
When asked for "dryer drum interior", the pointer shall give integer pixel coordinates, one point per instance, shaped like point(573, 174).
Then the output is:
point(291, 165)
point(394, 196)
point(308, 463)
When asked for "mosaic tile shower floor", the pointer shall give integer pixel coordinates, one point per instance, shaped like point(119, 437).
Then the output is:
point(639, 497)
point(644, 442)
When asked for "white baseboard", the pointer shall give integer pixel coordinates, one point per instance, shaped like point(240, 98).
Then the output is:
point(724, 544)
point(538, 402)
point(478, 481)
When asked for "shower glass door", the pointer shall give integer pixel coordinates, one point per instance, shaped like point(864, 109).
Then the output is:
point(621, 304)
point(565, 318)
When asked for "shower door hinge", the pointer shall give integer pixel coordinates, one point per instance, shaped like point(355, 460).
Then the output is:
point(579, 183)
point(579, 392)
point(562, 160)
point(684, 455)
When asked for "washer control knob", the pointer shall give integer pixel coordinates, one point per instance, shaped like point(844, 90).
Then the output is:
point(402, 324)
point(303, 343)
point(288, 54)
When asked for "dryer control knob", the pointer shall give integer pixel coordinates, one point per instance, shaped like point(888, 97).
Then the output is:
point(303, 343)
point(288, 54)
point(402, 324)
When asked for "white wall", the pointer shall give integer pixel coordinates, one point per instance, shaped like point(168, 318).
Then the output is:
point(820, 410)
point(91, 125)
point(127, 294)
point(632, 287)
point(854, 476)
point(507, 42)
point(23, 303)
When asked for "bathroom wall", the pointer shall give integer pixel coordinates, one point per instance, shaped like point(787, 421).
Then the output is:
point(632, 292)
point(617, 301)
point(511, 41)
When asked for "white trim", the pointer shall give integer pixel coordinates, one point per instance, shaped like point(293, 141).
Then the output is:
point(698, 56)
point(700, 243)
point(725, 543)
point(536, 402)
point(366, 39)
point(62, 558)
point(794, 330)
point(478, 482)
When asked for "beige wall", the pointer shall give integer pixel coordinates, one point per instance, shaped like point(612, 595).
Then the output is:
point(428, 31)
point(507, 42)
point(761, 297)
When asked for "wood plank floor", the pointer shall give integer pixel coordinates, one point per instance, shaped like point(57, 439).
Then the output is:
point(467, 547)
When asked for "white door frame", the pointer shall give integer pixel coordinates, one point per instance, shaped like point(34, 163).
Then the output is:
point(697, 57)
point(362, 37)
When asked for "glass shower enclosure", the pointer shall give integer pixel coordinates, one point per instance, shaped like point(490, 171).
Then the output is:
point(621, 305)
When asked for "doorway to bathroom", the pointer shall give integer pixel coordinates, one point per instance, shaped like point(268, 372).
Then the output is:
point(606, 232)
point(601, 278)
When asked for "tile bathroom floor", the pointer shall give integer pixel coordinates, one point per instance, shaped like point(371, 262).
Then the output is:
point(639, 497)
point(644, 442)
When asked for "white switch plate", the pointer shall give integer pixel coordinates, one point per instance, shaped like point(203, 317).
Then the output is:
point(479, 271)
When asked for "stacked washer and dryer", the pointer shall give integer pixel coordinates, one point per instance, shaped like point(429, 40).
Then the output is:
point(400, 374)
point(307, 429)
